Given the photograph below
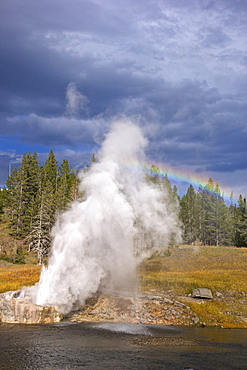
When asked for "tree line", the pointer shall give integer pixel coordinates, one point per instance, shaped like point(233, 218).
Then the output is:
point(209, 220)
point(206, 218)
point(35, 195)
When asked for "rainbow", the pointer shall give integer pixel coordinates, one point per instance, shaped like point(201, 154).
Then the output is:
point(180, 177)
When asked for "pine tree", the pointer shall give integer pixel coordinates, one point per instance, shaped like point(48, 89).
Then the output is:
point(170, 197)
point(233, 216)
point(22, 191)
point(30, 190)
point(210, 222)
point(34, 197)
point(67, 188)
point(241, 223)
point(51, 170)
point(3, 199)
point(62, 192)
point(201, 207)
point(75, 193)
point(222, 220)
point(214, 222)
point(16, 183)
point(39, 236)
point(189, 215)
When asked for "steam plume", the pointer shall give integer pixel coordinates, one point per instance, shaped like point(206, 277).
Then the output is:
point(98, 242)
point(76, 101)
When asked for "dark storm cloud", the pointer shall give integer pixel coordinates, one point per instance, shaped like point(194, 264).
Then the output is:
point(53, 131)
point(180, 67)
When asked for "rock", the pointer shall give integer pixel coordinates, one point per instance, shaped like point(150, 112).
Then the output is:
point(219, 295)
point(21, 311)
point(195, 320)
point(168, 301)
point(202, 293)
point(173, 312)
point(180, 304)
point(155, 298)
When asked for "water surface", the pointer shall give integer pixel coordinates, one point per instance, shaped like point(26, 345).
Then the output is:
point(120, 346)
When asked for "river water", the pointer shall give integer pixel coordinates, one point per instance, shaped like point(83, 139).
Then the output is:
point(120, 346)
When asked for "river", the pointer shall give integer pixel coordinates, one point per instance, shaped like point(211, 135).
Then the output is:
point(109, 346)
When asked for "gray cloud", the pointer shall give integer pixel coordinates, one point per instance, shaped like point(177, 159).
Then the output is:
point(53, 131)
point(178, 67)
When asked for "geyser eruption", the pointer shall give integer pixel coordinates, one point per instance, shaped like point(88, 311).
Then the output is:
point(100, 240)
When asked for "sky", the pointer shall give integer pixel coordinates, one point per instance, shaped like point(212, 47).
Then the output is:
point(177, 68)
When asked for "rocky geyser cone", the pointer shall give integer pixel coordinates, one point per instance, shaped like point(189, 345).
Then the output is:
point(17, 310)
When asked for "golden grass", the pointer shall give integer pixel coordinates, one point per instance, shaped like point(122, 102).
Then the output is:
point(182, 283)
point(186, 267)
point(13, 277)
point(220, 269)
point(222, 313)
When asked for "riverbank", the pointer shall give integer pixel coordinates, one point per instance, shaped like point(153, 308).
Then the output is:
point(166, 285)
point(164, 294)
point(160, 309)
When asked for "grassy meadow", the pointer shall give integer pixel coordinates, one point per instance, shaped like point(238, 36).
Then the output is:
point(177, 272)
point(14, 276)
point(184, 268)
point(223, 270)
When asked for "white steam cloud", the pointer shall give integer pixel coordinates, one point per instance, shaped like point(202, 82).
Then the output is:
point(99, 241)
point(76, 101)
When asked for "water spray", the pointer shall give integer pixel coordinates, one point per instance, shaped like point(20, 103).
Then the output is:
point(99, 241)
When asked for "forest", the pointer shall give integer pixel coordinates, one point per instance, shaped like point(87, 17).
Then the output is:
point(35, 196)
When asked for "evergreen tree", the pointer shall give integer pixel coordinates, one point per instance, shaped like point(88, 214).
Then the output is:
point(16, 184)
point(30, 190)
point(233, 216)
point(201, 207)
point(209, 208)
point(241, 223)
point(170, 198)
point(223, 230)
point(48, 197)
point(39, 236)
point(67, 188)
point(51, 170)
point(189, 215)
point(22, 191)
point(35, 195)
point(213, 219)
point(174, 194)
point(12, 183)
point(63, 186)
point(3, 199)
point(74, 187)
point(155, 176)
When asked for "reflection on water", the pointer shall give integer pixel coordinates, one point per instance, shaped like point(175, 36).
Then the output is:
point(120, 346)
